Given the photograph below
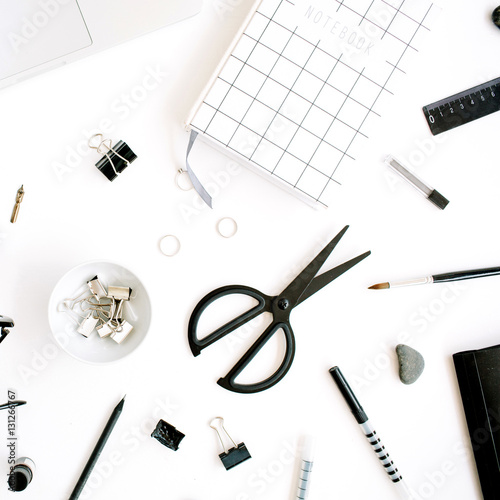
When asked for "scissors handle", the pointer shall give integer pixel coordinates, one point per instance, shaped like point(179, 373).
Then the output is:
point(196, 344)
point(265, 304)
point(228, 382)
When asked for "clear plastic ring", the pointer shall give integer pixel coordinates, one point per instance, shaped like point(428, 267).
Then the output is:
point(227, 227)
point(170, 245)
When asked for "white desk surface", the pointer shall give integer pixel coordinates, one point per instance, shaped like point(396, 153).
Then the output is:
point(81, 216)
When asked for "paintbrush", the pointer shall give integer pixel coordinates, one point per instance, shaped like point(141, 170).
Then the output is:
point(440, 278)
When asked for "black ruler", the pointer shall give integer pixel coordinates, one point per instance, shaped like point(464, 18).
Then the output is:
point(464, 107)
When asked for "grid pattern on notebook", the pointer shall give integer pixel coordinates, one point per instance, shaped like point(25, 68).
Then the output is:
point(291, 104)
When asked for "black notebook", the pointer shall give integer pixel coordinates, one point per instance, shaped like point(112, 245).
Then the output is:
point(478, 374)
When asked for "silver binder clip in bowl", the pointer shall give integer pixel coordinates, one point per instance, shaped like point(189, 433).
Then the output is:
point(119, 292)
point(128, 332)
point(122, 331)
point(88, 325)
point(97, 288)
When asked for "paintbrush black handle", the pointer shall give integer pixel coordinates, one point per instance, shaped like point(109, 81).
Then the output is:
point(466, 275)
point(97, 451)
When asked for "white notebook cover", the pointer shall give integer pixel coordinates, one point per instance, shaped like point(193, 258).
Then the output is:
point(302, 81)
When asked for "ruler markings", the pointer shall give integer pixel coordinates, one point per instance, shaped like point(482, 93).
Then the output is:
point(464, 107)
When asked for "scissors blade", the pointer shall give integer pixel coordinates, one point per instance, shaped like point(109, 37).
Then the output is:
point(296, 288)
point(327, 277)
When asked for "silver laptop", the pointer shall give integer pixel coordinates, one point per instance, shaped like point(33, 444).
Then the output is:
point(39, 35)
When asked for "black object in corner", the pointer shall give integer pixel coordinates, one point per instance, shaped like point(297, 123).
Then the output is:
point(478, 374)
point(5, 323)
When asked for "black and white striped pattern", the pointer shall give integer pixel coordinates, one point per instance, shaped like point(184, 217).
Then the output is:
point(305, 472)
point(382, 454)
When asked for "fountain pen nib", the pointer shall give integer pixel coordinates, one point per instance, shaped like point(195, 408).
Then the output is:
point(17, 206)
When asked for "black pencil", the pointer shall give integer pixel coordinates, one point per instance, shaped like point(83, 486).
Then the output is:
point(441, 278)
point(97, 450)
point(12, 404)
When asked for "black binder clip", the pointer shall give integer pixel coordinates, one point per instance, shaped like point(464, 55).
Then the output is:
point(167, 435)
point(116, 158)
point(231, 456)
point(4, 323)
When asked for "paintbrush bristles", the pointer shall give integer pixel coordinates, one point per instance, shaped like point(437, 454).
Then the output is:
point(379, 286)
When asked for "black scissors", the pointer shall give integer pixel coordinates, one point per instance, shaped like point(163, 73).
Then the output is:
point(280, 306)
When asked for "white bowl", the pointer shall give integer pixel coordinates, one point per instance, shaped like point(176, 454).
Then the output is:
point(95, 349)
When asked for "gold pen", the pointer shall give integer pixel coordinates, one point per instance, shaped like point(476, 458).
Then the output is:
point(17, 206)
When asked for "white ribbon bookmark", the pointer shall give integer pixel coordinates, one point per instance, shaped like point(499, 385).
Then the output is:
point(192, 176)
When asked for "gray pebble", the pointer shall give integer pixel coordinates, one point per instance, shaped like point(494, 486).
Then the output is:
point(411, 364)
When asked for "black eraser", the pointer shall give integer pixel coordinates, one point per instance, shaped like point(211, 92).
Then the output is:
point(438, 199)
point(167, 435)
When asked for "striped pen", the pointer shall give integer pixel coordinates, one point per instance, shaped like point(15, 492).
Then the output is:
point(306, 465)
point(370, 433)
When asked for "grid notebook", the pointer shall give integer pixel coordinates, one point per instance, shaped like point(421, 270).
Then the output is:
point(301, 82)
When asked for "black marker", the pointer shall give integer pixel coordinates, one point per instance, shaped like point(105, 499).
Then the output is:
point(370, 432)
